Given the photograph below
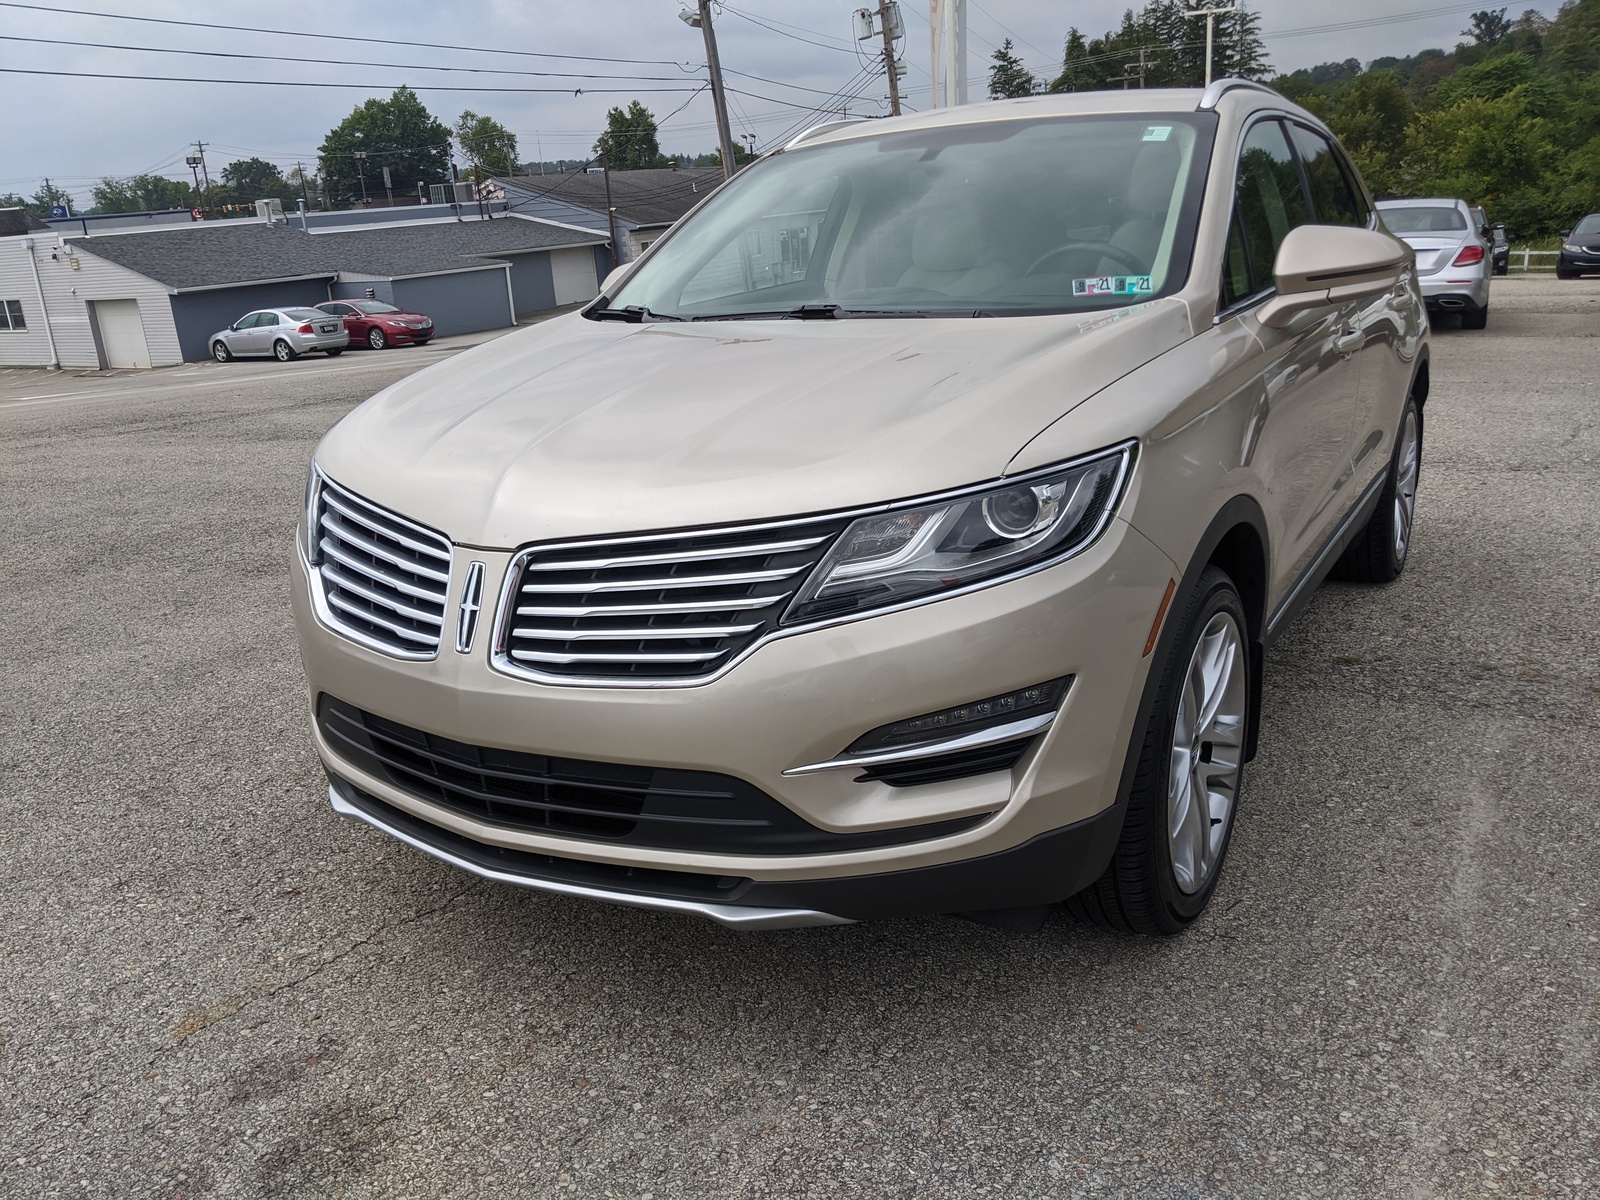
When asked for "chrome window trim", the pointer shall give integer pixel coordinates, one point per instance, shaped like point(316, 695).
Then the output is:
point(976, 740)
point(325, 615)
point(505, 613)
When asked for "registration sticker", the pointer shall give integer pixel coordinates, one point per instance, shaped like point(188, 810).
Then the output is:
point(1156, 133)
point(1113, 285)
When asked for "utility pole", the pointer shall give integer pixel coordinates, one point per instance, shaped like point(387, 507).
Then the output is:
point(885, 8)
point(361, 166)
point(611, 213)
point(201, 147)
point(701, 20)
point(304, 194)
point(1128, 68)
point(1209, 12)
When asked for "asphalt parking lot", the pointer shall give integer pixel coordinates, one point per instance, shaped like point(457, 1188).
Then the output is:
point(215, 987)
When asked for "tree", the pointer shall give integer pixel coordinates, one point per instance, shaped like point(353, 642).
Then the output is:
point(143, 193)
point(1077, 75)
point(1162, 36)
point(1488, 26)
point(630, 141)
point(1008, 78)
point(398, 133)
point(250, 179)
point(489, 146)
point(1371, 116)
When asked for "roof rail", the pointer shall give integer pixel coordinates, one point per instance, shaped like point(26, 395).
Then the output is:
point(1215, 92)
point(825, 127)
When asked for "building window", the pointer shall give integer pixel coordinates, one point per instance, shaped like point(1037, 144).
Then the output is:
point(11, 315)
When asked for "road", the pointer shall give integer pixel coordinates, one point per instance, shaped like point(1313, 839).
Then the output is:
point(215, 988)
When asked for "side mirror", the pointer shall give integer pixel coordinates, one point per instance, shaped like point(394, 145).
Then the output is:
point(1320, 265)
point(617, 275)
point(1566, 233)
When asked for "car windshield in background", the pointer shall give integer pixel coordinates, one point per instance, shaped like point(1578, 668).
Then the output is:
point(1587, 227)
point(1419, 219)
point(303, 314)
point(992, 219)
point(373, 306)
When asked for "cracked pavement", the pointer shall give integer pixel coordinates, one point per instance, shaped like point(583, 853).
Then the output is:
point(213, 987)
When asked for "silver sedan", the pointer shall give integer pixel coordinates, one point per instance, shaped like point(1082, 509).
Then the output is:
point(283, 333)
point(1454, 260)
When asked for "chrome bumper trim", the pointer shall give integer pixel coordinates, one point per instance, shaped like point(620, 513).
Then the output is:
point(734, 916)
point(992, 736)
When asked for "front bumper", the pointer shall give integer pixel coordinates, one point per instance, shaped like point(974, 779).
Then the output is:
point(800, 700)
point(1567, 261)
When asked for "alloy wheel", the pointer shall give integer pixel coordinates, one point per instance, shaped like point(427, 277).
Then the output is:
point(1405, 485)
point(1207, 750)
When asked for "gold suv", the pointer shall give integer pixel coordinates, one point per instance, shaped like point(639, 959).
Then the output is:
point(902, 534)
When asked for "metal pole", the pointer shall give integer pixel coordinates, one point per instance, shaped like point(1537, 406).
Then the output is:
point(44, 309)
point(718, 99)
point(888, 59)
point(201, 147)
point(1211, 18)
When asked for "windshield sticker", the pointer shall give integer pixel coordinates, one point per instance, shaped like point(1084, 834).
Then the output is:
point(1113, 285)
point(1157, 133)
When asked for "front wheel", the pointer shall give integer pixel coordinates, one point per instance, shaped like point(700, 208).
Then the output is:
point(333, 353)
point(1378, 554)
point(376, 339)
point(1186, 786)
point(283, 352)
point(1562, 273)
point(220, 352)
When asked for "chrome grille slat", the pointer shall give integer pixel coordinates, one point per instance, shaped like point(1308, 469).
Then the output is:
point(380, 579)
point(651, 607)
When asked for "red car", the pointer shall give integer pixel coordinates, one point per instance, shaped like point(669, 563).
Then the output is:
point(376, 324)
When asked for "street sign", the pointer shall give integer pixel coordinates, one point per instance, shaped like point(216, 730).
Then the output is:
point(386, 182)
point(197, 214)
point(59, 210)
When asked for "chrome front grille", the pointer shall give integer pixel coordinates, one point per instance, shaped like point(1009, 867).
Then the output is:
point(383, 580)
point(658, 607)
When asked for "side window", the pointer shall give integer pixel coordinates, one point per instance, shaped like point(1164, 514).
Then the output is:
point(1270, 199)
point(250, 321)
point(1331, 194)
point(1236, 283)
point(267, 319)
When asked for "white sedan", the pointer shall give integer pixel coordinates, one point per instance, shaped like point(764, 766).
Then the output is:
point(283, 333)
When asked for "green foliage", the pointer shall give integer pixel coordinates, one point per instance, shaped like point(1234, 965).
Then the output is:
point(630, 141)
point(39, 206)
point(1008, 78)
point(1510, 121)
point(143, 193)
point(1169, 44)
point(252, 179)
point(398, 133)
point(489, 146)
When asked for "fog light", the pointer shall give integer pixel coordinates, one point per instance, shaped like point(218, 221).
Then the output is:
point(966, 718)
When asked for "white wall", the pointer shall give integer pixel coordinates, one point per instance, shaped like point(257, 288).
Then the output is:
point(66, 291)
point(573, 273)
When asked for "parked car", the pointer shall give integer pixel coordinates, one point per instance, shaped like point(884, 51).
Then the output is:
point(1502, 249)
point(283, 333)
point(1453, 259)
point(1580, 249)
point(378, 324)
point(903, 534)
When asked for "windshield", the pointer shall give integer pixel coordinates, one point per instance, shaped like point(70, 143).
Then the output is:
point(373, 306)
point(1589, 225)
point(1423, 219)
point(1000, 218)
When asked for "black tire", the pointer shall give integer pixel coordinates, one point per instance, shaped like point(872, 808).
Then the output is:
point(1502, 269)
point(1139, 891)
point(1378, 555)
point(1475, 318)
point(220, 352)
point(333, 353)
point(283, 352)
point(1562, 273)
point(376, 339)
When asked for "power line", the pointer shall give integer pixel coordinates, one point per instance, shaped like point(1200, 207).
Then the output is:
point(369, 87)
point(337, 62)
point(339, 37)
point(744, 16)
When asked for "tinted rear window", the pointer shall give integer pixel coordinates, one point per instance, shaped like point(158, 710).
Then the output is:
point(1424, 219)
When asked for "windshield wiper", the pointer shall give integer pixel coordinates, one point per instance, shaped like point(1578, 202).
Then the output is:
point(805, 312)
point(632, 313)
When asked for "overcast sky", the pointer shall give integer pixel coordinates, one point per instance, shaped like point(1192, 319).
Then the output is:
point(76, 130)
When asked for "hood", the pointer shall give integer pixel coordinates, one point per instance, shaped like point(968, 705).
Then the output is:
point(398, 316)
point(575, 427)
point(1435, 250)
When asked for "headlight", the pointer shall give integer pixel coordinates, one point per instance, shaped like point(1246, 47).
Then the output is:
point(308, 516)
point(894, 557)
point(1570, 248)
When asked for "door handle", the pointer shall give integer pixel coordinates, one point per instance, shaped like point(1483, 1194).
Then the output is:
point(1349, 340)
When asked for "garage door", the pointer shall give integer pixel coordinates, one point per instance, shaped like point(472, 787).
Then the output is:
point(572, 271)
point(122, 333)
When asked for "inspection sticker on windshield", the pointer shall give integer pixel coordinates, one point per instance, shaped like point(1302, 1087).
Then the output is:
point(1157, 133)
point(1113, 285)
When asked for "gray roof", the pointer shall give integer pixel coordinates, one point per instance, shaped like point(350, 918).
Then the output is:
point(15, 221)
point(217, 254)
point(654, 197)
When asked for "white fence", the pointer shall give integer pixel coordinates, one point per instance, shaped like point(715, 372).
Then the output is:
point(1520, 260)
